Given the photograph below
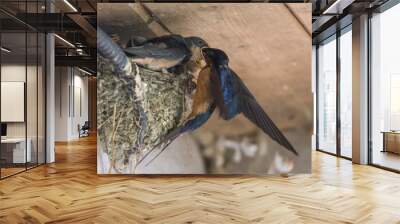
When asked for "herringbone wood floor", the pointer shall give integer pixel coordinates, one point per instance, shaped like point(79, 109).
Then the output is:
point(70, 191)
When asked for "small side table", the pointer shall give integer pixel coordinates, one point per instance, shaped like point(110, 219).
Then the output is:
point(391, 141)
point(14, 148)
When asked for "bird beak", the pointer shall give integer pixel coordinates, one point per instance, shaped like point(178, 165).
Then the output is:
point(205, 51)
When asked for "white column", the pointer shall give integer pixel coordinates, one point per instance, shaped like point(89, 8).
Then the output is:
point(50, 99)
point(360, 90)
point(50, 92)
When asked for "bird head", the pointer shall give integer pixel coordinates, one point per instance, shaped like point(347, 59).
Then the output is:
point(214, 55)
point(195, 45)
point(196, 42)
point(136, 41)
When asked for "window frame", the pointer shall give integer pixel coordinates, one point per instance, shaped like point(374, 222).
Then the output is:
point(338, 34)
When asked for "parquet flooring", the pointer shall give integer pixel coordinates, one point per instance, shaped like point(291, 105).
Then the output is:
point(70, 191)
point(10, 171)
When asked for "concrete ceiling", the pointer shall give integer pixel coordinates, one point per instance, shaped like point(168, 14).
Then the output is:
point(268, 48)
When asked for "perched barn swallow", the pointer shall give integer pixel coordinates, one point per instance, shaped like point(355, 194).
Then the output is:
point(165, 52)
point(160, 53)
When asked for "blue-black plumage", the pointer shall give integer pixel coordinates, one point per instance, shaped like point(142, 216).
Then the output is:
point(164, 52)
point(232, 97)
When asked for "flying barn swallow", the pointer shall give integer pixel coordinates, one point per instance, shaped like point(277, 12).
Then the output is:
point(220, 87)
point(232, 97)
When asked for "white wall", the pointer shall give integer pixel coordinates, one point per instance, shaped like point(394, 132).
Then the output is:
point(12, 100)
point(12, 73)
point(70, 83)
point(62, 80)
point(33, 126)
point(79, 117)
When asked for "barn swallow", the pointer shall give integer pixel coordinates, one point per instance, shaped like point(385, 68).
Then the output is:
point(160, 53)
point(232, 97)
point(220, 87)
point(165, 52)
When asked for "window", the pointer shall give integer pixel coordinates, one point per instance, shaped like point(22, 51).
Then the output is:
point(385, 89)
point(394, 102)
point(333, 137)
point(22, 77)
point(346, 92)
point(327, 95)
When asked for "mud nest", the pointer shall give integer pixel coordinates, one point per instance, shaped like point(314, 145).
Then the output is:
point(134, 112)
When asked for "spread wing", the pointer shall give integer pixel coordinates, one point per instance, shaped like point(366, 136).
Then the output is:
point(250, 108)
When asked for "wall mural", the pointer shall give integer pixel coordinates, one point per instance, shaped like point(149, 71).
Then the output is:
point(204, 88)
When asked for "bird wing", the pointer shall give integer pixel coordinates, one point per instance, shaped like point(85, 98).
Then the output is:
point(190, 125)
point(161, 41)
point(161, 52)
point(156, 58)
point(254, 112)
point(164, 143)
point(155, 52)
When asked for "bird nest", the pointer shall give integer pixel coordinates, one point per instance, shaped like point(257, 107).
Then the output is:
point(135, 111)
